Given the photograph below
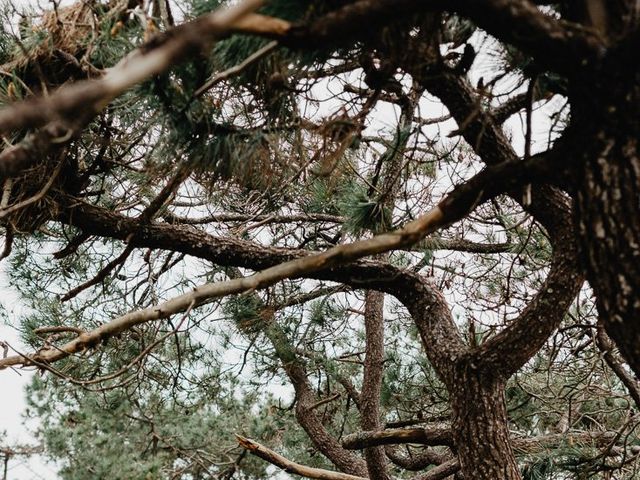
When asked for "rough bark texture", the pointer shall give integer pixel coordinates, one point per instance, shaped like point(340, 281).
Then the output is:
point(480, 425)
point(608, 195)
point(372, 380)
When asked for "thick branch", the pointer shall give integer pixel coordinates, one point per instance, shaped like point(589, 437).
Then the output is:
point(510, 349)
point(517, 22)
point(435, 334)
point(441, 435)
point(70, 108)
point(432, 436)
point(141, 64)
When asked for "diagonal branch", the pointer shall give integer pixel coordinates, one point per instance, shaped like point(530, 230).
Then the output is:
point(306, 399)
point(291, 467)
point(463, 199)
point(606, 347)
point(440, 472)
point(65, 113)
point(71, 107)
point(151, 59)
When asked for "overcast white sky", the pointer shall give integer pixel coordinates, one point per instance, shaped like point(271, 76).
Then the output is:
point(12, 401)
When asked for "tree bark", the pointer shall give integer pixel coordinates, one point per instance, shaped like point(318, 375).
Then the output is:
point(372, 380)
point(607, 113)
point(480, 425)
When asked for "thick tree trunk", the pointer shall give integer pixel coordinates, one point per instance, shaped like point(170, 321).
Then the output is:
point(608, 201)
point(480, 425)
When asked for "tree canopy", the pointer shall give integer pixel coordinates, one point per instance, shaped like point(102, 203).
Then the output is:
point(353, 239)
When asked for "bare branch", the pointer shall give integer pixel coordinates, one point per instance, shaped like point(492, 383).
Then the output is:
point(441, 472)
point(432, 435)
point(291, 467)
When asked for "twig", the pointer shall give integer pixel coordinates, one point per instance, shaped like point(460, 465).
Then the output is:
point(236, 69)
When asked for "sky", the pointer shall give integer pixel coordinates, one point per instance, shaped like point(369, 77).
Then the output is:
point(13, 431)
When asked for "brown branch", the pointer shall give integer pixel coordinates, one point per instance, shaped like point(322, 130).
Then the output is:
point(324, 401)
point(372, 380)
point(235, 217)
point(151, 59)
point(605, 345)
point(58, 329)
point(35, 198)
point(462, 245)
point(23, 155)
point(432, 436)
point(512, 106)
point(517, 22)
point(441, 435)
point(65, 112)
point(72, 246)
point(512, 347)
point(509, 350)
point(440, 472)
point(306, 398)
point(455, 206)
point(147, 214)
point(100, 276)
point(418, 462)
point(8, 242)
point(236, 69)
point(291, 467)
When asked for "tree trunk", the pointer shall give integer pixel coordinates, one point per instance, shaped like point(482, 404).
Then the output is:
point(372, 381)
point(480, 425)
point(608, 201)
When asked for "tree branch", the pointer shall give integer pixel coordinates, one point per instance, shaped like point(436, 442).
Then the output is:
point(436, 334)
point(372, 379)
point(291, 467)
point(442, 435)
point(432, 436)
point(518, 22)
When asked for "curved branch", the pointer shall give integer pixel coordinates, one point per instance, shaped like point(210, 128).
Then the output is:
point(510, 349)
point(439, 333)
point(518, 22)
point(418, 462)
point(442, 471)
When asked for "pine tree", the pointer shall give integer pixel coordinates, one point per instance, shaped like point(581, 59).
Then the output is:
point(246, 239)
